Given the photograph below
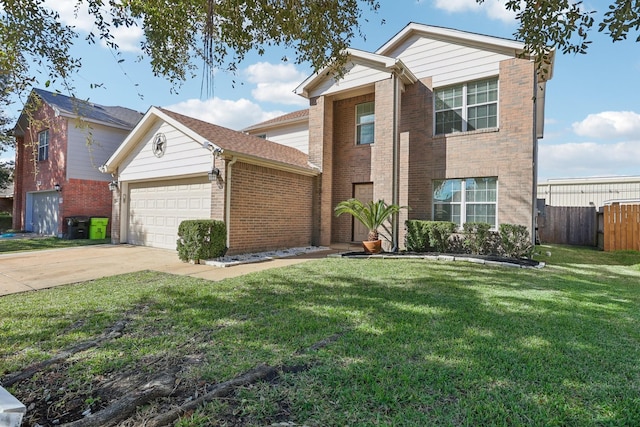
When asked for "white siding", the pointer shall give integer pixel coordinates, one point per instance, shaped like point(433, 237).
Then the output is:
point(295, 135)
point(589, 193)
point(357, 75)
point(89, 148)
point(447, 63)
point(183, 156)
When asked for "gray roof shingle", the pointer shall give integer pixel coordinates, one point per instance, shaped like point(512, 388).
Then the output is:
point(113, 115)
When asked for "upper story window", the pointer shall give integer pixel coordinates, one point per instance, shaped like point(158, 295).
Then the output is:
point(466, 200)
point(365, 123)
point(43, 145)
point(466, 107)
point(262, 135)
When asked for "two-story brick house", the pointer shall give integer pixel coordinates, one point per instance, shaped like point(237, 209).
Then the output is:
point(440, 120)
point(60, 144)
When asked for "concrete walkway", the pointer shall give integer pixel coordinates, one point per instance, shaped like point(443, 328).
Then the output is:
point(29, 271)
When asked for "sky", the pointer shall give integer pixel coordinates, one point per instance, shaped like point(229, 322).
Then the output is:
point(592, 116)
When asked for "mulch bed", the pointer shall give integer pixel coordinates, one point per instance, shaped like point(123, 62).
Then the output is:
point(479, 259)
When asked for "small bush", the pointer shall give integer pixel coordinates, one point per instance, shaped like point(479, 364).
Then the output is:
point(477, 237)
point(201, 239)
point(440, 233)
point(515, 241)
point(417, 237)
point(426, 236)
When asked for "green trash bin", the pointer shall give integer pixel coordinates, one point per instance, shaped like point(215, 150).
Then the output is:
point(98, 228)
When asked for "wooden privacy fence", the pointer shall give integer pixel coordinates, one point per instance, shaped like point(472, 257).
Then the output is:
point(568, 225)
point(621, 227)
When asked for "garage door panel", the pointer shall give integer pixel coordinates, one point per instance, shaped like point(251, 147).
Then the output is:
point(156, 210)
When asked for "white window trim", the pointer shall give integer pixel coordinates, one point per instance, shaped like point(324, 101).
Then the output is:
point(42, 132)
point(463, 200)
point(465, 107)
point(360, 124)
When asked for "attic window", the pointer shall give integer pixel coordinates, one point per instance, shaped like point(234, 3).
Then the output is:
point(43, 145)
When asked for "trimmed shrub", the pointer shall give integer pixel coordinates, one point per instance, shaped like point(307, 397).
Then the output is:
point(201, 239)
point(417, 237)
point(477, 237)
point(426, 236)
point(515, 241)
point(439, 234)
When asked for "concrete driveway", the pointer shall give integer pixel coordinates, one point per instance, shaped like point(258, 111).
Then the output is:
point(29, 271)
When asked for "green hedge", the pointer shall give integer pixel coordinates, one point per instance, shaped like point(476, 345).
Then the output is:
point(515, 241)
point(425, 236)
point(201, 239)
point(510, 240)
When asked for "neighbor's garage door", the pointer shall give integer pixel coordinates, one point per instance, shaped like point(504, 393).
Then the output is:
point(44, 214)
point(157, 208)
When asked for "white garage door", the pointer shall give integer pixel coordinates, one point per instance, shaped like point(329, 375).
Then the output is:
point(157, 208)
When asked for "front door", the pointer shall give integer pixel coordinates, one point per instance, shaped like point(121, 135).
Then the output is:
point(364, 193)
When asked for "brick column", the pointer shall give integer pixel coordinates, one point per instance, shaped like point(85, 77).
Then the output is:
point(321, 155)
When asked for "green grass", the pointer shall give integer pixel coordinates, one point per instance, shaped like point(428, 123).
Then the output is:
point(420, 342)
point(19, 245)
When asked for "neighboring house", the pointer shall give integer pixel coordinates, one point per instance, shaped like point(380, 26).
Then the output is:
point(172, 167)
point(60, 144)
point(443, 121)
point(592, 191)
point(6, 199)
point(290, 129)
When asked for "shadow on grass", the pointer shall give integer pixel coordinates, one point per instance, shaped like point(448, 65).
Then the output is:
point(421, 342)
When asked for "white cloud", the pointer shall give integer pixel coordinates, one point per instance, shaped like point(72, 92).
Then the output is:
point(589, 159)
point(275, 83)
point(127, 39)
point(609, 124)
point(223, 112)
point(493, 9)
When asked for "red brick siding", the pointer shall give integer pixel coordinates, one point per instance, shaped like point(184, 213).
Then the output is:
point(78, 197)
point(85, 198)
point(270, 209)
point(33, 175)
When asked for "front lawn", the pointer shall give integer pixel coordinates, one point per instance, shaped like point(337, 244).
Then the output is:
point(354, 342)
point(34, 244)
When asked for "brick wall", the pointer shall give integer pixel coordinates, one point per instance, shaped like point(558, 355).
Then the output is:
point(506, 153)
point(85, 198)
point(32, 175)
point(351, 162)
point(270, 209)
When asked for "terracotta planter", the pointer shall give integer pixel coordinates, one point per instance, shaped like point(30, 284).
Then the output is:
point(372, 247)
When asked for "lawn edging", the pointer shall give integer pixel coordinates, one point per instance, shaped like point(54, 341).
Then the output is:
point(476, 259)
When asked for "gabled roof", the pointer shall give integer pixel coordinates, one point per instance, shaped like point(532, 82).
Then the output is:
point(457, 36)
point(114, 116)
point(451, 35)
point(250, 149)
point(293, 117)
point(373, 60)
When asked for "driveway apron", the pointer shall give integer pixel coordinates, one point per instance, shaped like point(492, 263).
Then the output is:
point(28, 271)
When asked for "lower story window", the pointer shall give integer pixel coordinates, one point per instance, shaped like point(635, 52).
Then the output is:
point(466, 200)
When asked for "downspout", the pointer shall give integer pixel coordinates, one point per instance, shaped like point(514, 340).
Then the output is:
point(395, 193)
point(534, 192)
point(227, 203)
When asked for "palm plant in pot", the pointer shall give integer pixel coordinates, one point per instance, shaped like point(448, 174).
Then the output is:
point(372, 215)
